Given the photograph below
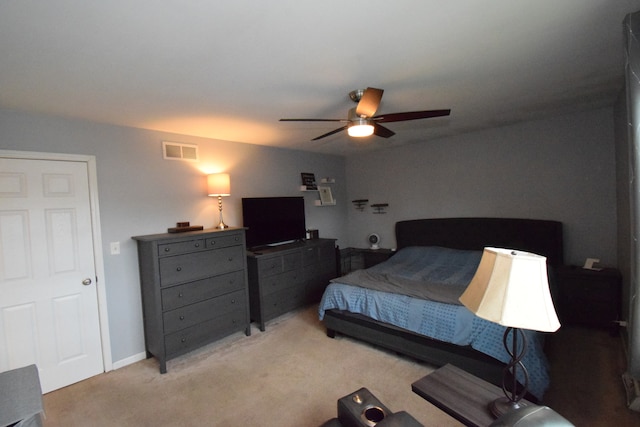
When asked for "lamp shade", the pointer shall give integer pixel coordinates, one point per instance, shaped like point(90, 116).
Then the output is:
point(511, 288)
point(219, 184)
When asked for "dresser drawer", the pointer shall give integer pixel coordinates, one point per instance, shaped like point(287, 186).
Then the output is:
point(178, 248)
point(195, 336)
point(279, 264)
point(322, 271)
point(189, 267)
point(225, 241)
point(269, 266)
point(199, 312)
point(283, 301)
point(189, 293)
point(292, 261)
point(282, 281)
point(315, 254)
point(310, 255)
point(591, 290)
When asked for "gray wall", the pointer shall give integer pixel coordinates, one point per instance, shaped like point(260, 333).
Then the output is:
point(623, 193)
point(141, 193)
point(561, 168)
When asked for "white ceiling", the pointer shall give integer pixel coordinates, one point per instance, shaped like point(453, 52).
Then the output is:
point(230, 69)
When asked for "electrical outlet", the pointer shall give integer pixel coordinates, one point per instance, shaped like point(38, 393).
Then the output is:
point(115, 248)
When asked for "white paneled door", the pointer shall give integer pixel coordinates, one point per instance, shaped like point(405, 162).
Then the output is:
point(48, 298)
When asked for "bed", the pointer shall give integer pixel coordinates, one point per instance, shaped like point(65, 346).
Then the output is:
point(432, 328)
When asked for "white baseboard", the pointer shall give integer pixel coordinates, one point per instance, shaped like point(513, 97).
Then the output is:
point(129, 360)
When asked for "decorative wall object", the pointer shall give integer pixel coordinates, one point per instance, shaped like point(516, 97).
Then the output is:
point(326, 198)
point(379, 208)
point(360, 204)
point(309, 180)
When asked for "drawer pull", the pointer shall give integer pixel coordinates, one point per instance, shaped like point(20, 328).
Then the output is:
point(180, 295)
point(213, 242)
point(179, 269)
point(197, 245)
point(167, 249)
point(230, 259)
point(233, 301)
point(183, 340)
point(181, 317)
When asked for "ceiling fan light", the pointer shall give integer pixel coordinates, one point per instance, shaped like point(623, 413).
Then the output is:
point(360, 128)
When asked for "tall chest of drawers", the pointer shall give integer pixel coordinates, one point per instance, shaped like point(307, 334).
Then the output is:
point(286, 277)
point(194, 289)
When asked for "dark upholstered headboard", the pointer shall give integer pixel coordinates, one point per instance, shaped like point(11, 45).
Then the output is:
point(541, 237)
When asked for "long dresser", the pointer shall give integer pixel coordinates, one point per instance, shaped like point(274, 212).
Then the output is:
point(283, 278)
point(194, 289)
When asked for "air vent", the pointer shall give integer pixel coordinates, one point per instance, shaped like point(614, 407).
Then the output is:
point(180, 151)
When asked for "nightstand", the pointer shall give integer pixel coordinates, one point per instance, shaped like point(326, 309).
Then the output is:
point(358, 258)
point(589, 297)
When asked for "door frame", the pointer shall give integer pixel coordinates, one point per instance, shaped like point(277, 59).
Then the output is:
point(103, 314)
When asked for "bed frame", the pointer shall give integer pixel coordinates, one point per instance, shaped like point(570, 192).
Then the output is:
point(537, 236)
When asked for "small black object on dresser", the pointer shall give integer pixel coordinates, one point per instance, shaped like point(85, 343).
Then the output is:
point(589, 297)
point(194, 289)
point(283, 278)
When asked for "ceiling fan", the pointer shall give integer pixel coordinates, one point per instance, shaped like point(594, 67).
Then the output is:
point(361, 121)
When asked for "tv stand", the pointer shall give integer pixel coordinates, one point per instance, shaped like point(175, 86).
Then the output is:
point(283, 278)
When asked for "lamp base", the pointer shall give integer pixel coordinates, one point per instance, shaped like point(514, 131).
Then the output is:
point(502, 405)
point(221, 225)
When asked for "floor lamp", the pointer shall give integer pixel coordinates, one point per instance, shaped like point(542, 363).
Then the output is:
point(219, 185)
point(511, 288)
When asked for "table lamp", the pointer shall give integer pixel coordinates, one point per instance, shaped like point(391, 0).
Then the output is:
point(511, 288)
point(219, 185)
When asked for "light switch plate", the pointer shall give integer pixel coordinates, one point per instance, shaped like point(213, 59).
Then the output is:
point(115, 248)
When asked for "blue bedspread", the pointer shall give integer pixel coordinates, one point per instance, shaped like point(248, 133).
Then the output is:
point(444, 322)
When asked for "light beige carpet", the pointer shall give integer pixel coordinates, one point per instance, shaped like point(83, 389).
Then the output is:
point(290, 375)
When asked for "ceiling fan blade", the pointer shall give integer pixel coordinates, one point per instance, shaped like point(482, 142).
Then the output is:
point(369, 102)
point(330, 133)
point(313, 120)
point(382, 131)
point(411, 115)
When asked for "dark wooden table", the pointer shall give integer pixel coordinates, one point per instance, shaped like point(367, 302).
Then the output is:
point(460, 394)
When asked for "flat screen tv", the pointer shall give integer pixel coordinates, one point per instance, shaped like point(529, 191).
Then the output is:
point(273, 220)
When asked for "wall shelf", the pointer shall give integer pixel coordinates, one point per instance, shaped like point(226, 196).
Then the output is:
point(379, 208)
point(319, 203)
point(360, 204)
point(323, 191)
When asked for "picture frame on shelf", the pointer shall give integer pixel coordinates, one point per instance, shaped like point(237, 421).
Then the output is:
point(309, 180)
point(326, 198)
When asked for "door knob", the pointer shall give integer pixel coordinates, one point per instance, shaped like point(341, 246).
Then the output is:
point(86, 281)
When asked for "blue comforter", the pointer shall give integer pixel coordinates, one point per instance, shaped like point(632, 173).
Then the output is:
point(451, 323)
